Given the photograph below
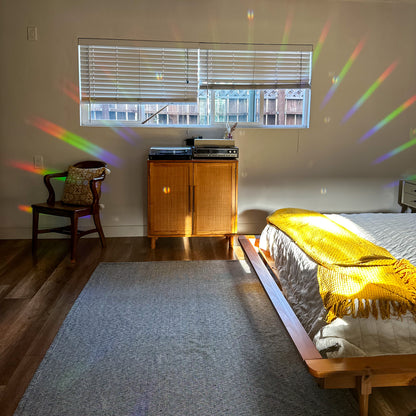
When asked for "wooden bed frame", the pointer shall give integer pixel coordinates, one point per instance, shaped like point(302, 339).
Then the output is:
point(361, 373)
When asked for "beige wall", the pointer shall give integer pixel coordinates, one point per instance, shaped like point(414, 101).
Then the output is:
point(323, 168)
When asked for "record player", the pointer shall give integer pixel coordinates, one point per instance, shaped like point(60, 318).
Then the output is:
point(170, 153)
point(194, 152)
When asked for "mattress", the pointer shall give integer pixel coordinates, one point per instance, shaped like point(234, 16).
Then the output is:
point(346, 337)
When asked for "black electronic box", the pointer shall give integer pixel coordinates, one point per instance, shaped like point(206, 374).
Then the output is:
point(215, 152)
point(170, 153)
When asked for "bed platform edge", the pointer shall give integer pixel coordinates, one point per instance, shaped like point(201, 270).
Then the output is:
point(361, 373)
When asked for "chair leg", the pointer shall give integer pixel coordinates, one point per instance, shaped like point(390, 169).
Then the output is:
point(35, 225)
point(74, 237)
point(97, 223)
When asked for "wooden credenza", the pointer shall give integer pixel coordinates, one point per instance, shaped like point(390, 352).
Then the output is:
point(189, 198)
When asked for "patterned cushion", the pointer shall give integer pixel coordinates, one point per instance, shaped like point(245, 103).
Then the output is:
point(77, 185)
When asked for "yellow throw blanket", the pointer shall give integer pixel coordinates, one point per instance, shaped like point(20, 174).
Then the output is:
point(355, 276)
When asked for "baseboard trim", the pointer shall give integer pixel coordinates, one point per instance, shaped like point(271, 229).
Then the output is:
point(25, 233)
point(15, 233)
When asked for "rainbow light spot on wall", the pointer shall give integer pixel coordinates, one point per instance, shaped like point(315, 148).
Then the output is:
point(250, 28)
point(343, 72)
point(74, 140)
point(25, 208)
point(397, 150)
point(30, 168)
point(397, 183)
point(370, 91)
point(321, 41)
point(387, 119)
point(71, 90)
point(288, 26)
point(125, 133)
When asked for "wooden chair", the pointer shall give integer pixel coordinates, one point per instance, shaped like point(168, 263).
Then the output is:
point(62, 209)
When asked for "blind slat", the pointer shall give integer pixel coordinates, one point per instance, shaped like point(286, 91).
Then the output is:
point(150, 74)
point(227, 69)
point(138, 74)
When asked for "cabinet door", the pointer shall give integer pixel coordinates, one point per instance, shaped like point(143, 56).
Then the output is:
point(215, 198)
point(169, 198)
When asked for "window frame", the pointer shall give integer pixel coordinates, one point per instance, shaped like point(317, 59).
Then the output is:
point(87, 120)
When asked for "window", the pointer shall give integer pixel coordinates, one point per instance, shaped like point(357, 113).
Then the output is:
point(126, 83)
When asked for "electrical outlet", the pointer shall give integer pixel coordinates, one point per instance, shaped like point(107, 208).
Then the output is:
point(38, 162)
point(32, 33)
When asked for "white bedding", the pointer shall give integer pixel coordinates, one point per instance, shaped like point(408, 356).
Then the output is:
point(346, 337)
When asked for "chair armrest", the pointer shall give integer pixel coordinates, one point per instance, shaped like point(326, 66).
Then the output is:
point(47, 182)
point(93, 186)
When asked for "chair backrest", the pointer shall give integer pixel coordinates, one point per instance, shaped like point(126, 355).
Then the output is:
point(78, 188)
point(90, 164)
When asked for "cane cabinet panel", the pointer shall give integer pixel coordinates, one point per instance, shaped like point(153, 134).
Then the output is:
point(192, 198)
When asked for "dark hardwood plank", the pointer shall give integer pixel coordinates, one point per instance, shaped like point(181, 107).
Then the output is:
point(9, 310)
point(2, 389)
point(35, 299)
point(10, 250)
point(15, 388)
point(4, 289)
point(379, 406)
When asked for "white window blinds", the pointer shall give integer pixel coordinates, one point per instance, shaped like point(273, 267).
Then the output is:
point(140, 74)
point(260, 69)
point(124, 71)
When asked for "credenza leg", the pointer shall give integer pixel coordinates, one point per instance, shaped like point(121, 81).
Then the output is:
point(153, 242)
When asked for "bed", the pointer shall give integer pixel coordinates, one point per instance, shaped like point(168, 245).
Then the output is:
point(347, 352)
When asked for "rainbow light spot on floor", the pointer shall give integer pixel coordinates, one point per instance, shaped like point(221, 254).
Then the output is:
point(370, 91)
point(343, 72)
point(388, 118)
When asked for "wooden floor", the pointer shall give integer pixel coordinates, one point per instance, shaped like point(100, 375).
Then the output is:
point(34, 300)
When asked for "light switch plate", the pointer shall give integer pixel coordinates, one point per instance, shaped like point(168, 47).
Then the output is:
point(32, 33)
point(38, 162)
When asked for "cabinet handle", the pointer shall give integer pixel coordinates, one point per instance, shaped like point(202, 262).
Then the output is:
point(193, 198)
point(189, 198)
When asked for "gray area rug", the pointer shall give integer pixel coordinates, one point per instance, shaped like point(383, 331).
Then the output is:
point(175, 338)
